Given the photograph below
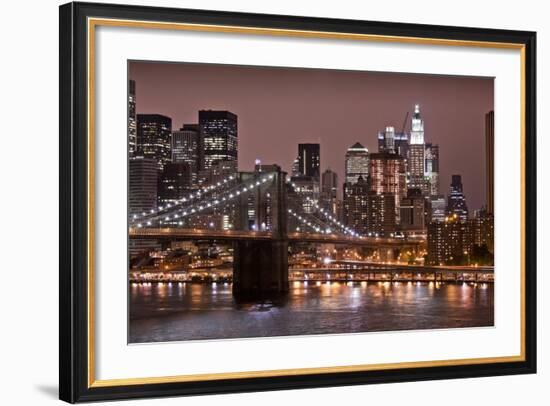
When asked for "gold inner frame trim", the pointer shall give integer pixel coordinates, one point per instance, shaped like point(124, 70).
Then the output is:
point(94, 22)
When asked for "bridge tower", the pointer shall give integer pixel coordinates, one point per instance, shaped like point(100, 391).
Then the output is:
point(260, 267)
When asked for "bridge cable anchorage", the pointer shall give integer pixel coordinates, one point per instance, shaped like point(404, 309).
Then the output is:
point(330, 217)
point(199, 206)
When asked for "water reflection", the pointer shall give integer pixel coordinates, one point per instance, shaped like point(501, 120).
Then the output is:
point(190, 311)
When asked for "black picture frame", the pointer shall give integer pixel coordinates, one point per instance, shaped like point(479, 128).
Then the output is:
point(74, 385)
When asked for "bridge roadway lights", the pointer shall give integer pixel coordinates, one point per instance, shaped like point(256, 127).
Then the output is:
point(260, 268)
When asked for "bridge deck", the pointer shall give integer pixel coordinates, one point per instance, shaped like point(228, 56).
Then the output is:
point(201, 234)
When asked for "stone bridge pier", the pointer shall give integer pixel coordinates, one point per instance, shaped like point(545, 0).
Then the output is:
point(260, 267)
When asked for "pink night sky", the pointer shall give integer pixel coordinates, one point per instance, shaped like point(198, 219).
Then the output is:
point(278, 108)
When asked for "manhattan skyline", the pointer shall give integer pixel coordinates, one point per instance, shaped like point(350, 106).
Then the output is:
point(279, 108)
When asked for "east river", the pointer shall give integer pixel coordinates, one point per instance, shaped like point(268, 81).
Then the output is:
point(193, 311)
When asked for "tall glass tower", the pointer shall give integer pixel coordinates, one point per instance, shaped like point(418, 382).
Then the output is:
point(456, 201)
point(219, 135)
point(357, 163)
point(417, 151)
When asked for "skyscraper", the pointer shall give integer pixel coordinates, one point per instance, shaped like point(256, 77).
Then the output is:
point(186, 148)
point(355, 205)
point(329, 190)
point(489, 160)
point(413, 209)
point(142, 198)
point(132, 125)
point(153, 138)
point(357, 163)
point(400, 142)
point(449, 242)
point(381, 214)
point(295, 170)
point(456, 201)
point(432, 168)
point(417, 151)
point(142, 185)
point(438, 207)
point(309, 159)
point(388, 176)
point(174, 182)
point(219, 135)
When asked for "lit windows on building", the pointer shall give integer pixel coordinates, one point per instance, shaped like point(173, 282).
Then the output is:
point(456, 201)
point(219, 135)
point(186, 148)
point(357, 163)
point(388, 176)
point(356, 205)
point(309, 160)
point(154, 138)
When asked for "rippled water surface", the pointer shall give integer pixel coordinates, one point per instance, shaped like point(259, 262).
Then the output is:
point(189, 311)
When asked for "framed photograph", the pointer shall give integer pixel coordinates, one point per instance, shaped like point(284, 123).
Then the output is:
point(257, 202)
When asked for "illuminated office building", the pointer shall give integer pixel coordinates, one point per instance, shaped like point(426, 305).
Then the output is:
point(219, 136)
point(357, 163)
point(154, 138)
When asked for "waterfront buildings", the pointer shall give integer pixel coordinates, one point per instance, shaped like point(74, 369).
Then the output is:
point(153, 138)
point(219, 135)
point(449, 242)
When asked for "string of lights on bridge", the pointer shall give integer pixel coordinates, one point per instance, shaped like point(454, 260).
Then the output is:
point(325, 213)
point(229, 195)
point(305, 222)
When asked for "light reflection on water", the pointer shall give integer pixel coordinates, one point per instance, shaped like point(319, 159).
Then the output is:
point(191, 311)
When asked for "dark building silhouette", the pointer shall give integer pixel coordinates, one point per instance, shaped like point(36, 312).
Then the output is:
point(309, 159)
point(187, 148)
point(489, 160)
point(153, 138)
point(142, 188)
point(431, 157)
point(413, 209)
point(329, 190)
point(174, 181)
point(219, 136)
point(132, 123)
point(456, 201)
point(356, 205)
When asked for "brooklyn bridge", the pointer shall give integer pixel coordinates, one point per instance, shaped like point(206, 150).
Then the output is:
point(268, 213)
